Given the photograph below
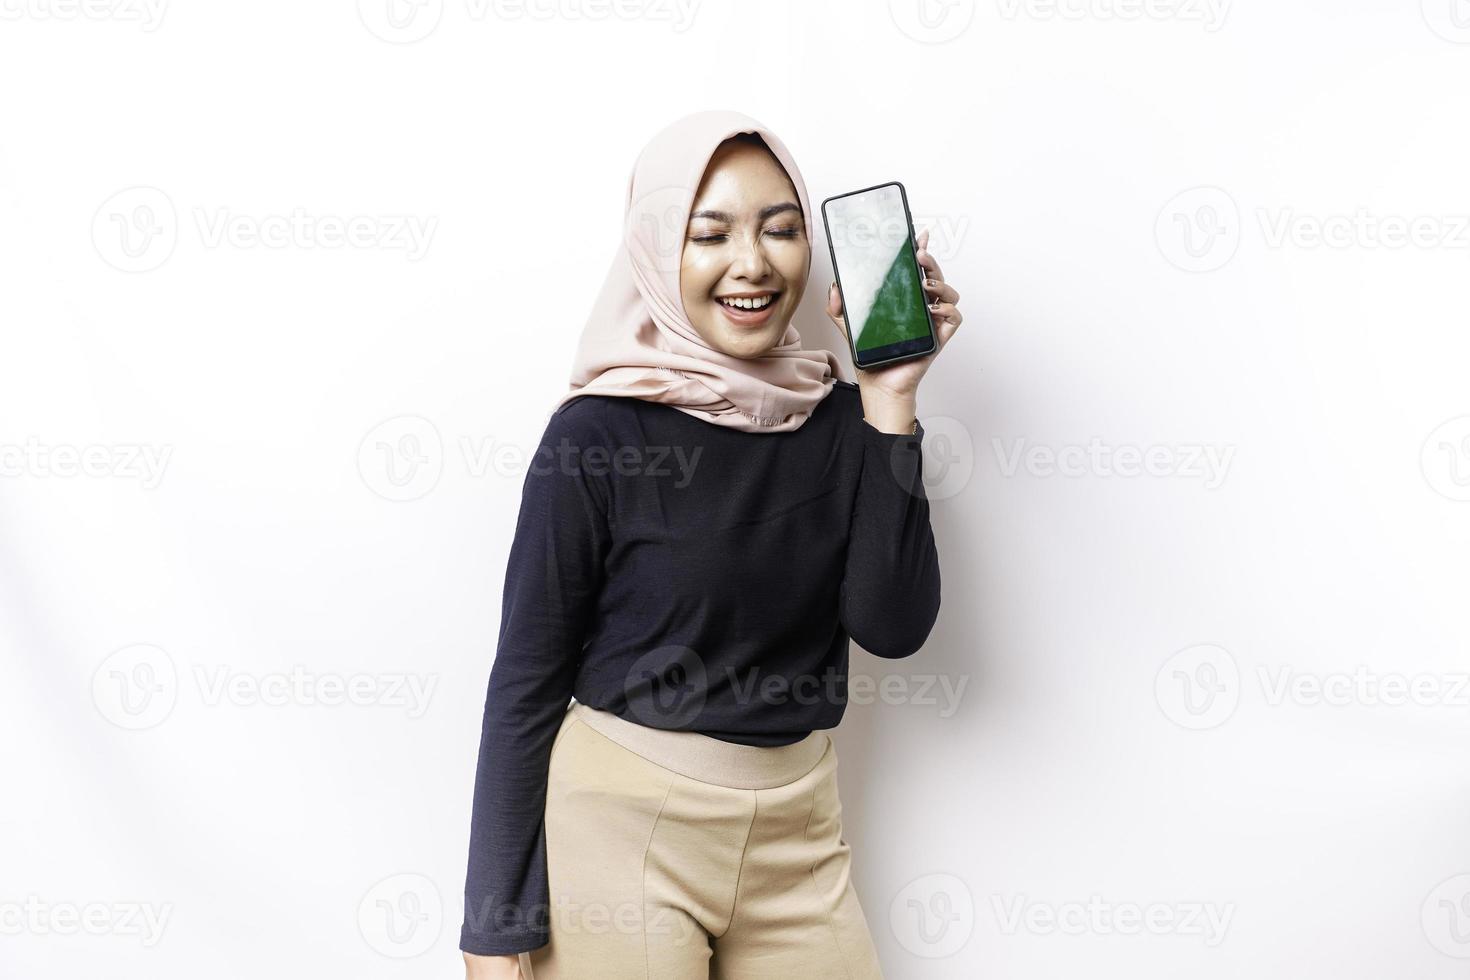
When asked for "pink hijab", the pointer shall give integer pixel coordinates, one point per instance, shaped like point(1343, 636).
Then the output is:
point(639, 343)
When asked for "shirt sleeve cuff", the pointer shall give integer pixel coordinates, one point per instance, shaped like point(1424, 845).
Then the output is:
point(899, 454)
point(503, 944)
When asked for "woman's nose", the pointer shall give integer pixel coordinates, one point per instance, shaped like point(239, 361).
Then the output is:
point(750, 261)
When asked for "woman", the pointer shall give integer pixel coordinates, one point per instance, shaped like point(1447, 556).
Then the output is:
point(710, 516)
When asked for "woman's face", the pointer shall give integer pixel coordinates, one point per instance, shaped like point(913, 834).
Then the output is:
point(745, 242)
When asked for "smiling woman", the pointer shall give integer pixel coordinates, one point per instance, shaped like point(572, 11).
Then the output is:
point(747, 257)
point(660, 331)
point(698, 622)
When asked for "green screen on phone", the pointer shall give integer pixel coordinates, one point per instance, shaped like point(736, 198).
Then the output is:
point(874, 254)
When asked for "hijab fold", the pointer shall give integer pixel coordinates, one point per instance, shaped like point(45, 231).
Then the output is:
point(638, 341)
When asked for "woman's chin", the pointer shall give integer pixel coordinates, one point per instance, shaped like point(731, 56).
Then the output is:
point(751, 343)
point(738, 340)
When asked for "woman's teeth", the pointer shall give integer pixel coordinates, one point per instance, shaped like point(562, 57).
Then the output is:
point(757, 303)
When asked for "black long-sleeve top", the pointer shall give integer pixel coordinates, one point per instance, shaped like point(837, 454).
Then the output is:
point(686, 576)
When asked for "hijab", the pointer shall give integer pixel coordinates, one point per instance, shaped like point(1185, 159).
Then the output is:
point(638, 341)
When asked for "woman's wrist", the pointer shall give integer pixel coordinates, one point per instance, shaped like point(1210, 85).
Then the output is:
point(498, 967)
point(886, 412)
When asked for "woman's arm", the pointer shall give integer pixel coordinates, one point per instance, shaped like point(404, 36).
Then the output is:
point(552, 580)
point(890, 585)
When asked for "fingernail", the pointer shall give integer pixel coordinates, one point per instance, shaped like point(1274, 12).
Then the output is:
point(934, 306)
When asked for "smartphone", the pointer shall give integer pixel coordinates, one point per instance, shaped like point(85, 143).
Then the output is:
point(874, 256)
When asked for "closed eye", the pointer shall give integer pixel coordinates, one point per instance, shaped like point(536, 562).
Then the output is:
point(776, 232)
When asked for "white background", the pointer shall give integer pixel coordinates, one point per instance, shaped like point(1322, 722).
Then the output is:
point(1126, 197)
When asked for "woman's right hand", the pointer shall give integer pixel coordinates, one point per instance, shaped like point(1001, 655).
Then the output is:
point(506, 967)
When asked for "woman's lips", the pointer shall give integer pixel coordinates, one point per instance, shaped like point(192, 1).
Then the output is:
point(748, 318)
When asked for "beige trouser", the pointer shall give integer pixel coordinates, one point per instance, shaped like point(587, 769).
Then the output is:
point(674, 855)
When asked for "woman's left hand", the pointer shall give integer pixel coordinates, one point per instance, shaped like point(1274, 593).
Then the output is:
point(901, 381)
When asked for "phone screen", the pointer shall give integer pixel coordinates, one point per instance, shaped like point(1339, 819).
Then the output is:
point(873, 254)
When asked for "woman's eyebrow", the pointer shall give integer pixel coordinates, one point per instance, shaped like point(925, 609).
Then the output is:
point(766, 212)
